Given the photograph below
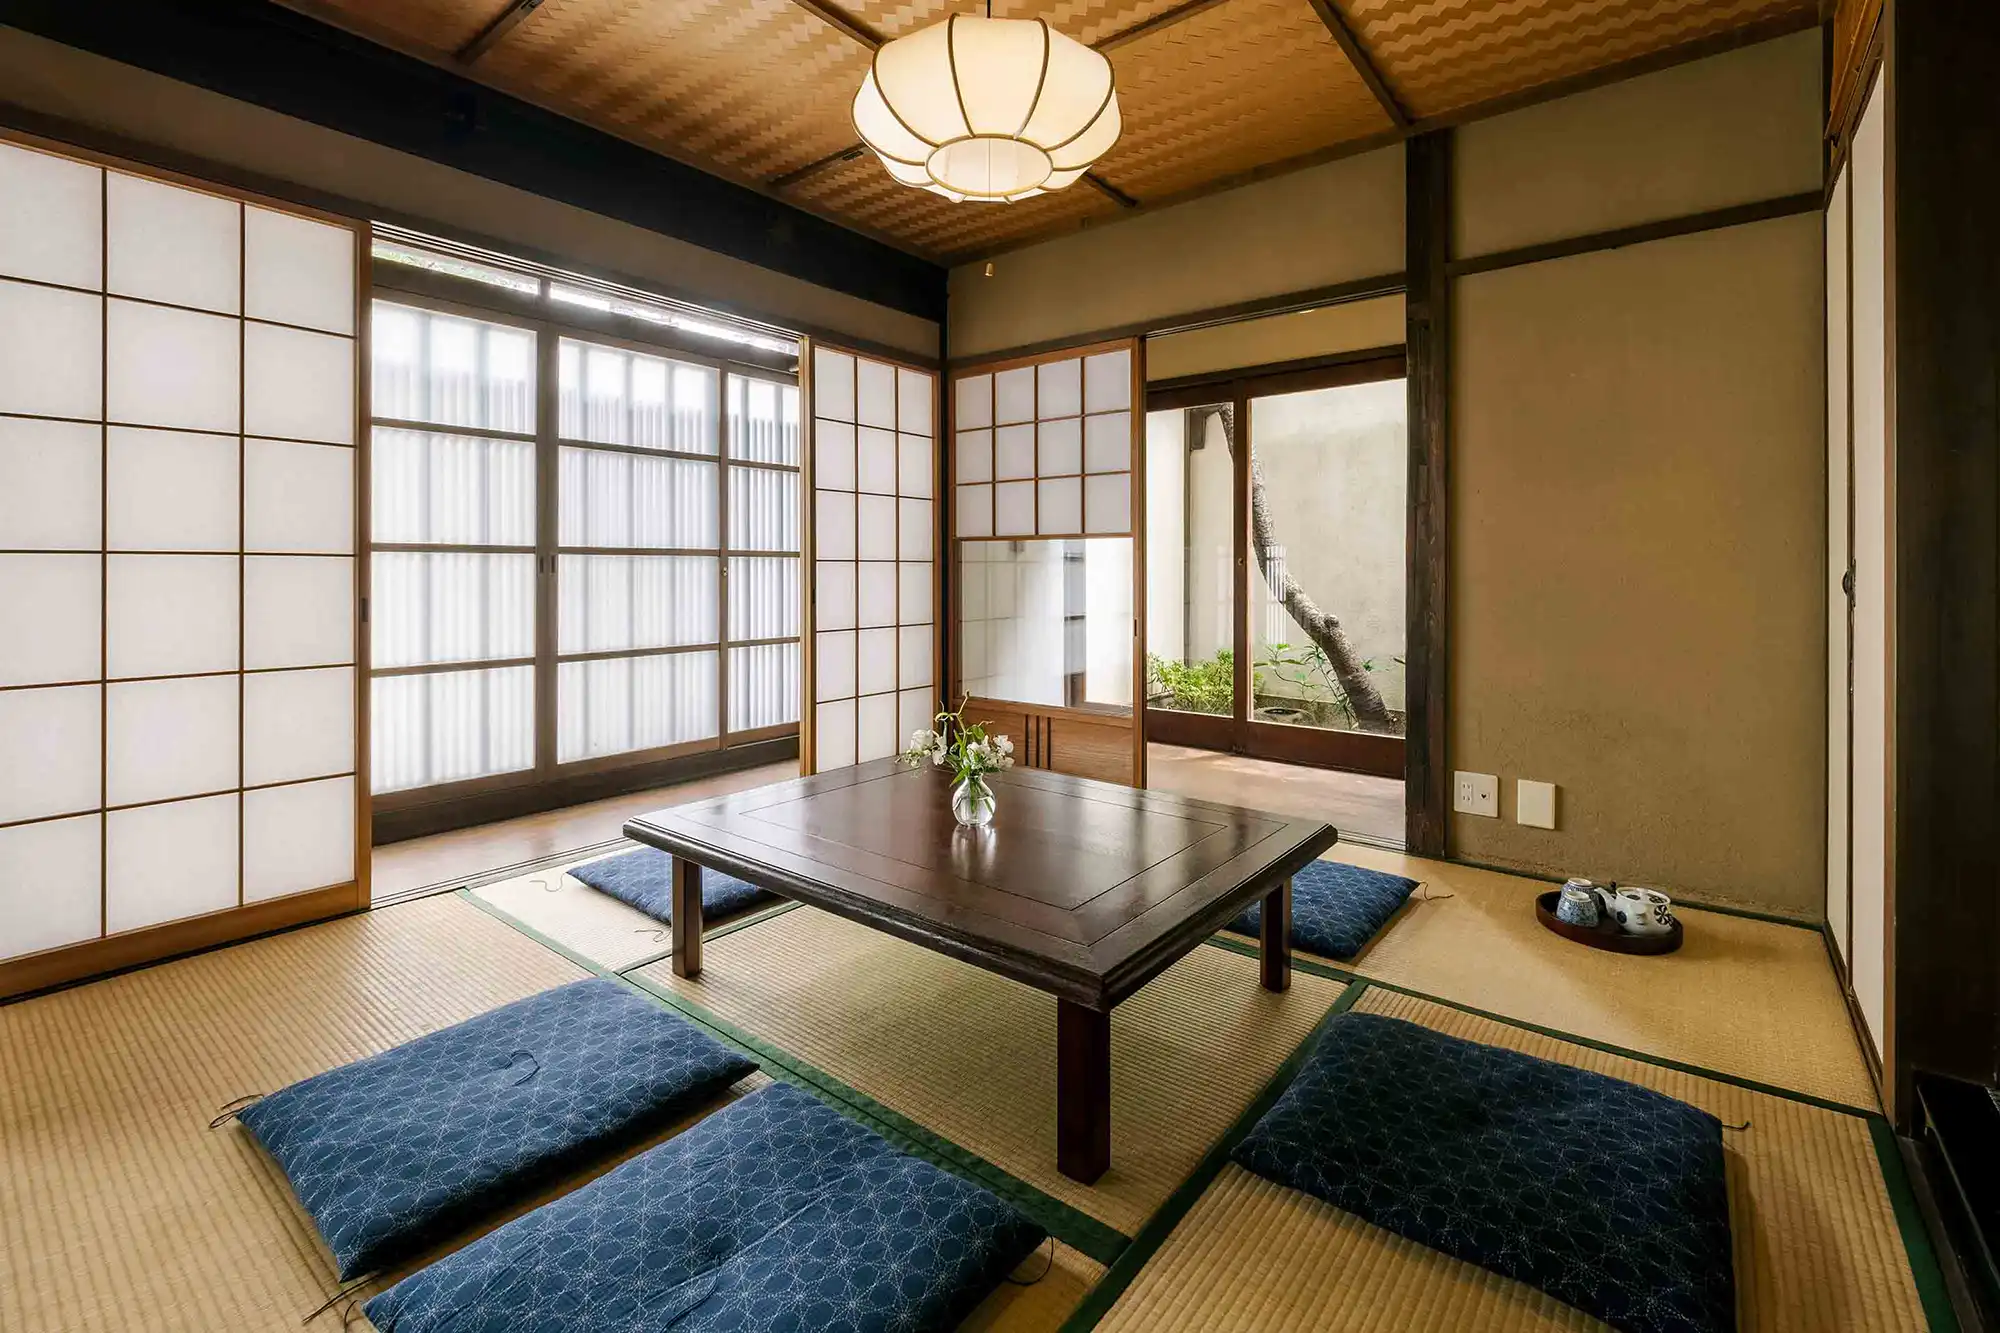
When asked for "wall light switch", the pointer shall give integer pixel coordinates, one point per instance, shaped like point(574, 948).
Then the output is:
point(1476, 794)
point(1535, 803)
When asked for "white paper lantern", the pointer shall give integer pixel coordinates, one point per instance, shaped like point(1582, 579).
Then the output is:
point(988, 109)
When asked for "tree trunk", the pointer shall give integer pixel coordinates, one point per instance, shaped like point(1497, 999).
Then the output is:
point(1319, 624)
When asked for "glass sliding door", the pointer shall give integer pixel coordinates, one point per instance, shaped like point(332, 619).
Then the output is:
point(1276, 565)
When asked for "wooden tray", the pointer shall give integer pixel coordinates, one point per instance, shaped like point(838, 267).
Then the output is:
point(1605, 934)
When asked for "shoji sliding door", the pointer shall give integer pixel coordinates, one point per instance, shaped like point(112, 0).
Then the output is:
point(178, 615)
point(874, 667)
point(1047, 495)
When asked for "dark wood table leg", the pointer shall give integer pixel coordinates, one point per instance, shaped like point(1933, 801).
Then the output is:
point(687, 918)
point(1083, 1091)
point(1275, 937)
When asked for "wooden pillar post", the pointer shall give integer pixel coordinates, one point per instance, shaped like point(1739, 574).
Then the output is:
point(1427, 224)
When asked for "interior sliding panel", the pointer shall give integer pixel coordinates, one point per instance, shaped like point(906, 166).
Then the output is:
point(179, 619)
point(874, 575)
point(1839, 623)
point(1046, 502)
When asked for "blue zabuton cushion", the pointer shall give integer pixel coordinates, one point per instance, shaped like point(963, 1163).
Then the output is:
point(1336, 907)
point(1605, 1195)
point(645, 879)
point(775, 1213)
point(395, 1151)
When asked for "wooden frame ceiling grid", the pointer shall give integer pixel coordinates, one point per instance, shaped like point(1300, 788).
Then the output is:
point(1211, 91)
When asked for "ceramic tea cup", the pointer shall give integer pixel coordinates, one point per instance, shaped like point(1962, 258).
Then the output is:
point(1577, 904)
point(1642, 911)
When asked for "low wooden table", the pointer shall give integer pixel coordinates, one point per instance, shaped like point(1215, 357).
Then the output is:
point(1086, 890)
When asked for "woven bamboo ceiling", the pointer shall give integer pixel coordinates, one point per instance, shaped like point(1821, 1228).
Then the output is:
point(1211, 90)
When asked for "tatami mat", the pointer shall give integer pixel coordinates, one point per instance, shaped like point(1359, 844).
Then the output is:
point(589, 924)
point(1817, 1245)
point(120, 1209)
point(1754, 999)
point(971, 1056)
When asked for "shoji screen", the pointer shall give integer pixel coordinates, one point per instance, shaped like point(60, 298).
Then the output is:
point(874, 544)
point(178, 464)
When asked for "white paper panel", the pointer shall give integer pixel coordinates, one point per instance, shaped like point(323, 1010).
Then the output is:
point(171, 490)
point(449, 726)
point(51, 351)
point(609, 603)
point(1107, 442)
point(875, 527)
point(973, 397)
point(914, 401)
point(975, 511)
point(170, 367)
point(913, 526)
point(298, 611)
point(51, 219)
point(833, 735)
point(449, 370)
point(916, 466)
point(764, 686)
point(49, 626)
point(834, 595)
point(975, 456)
point(913, 656)
point(875, 461)
point(1014, 395)
point(1061, 506)
point(431, 487)
point(171, 614)
point(50, 740)
point(613, 396)
point(51, 484)
point(624, 704)
point(50, 885)
point(1059, 389)
point(833, 665)
point(877, 593)
point(1013, 452)
point(833, 535)
point(1059, 447)
point(914, 602)
point(298, 497)
point(451, 606)
point(1107, 503)
point(763, 597)
point(297, 270)
point(1107, 381)
point(833, 456)
point(763, 510)
point(170, 738)
point(1014, 508)
point(915, 712)
point(875, 661)
point(297, 724)
point(763, 421)
point(875, 393)
point(165, 862)
point(297, 838)
point(833, 385)
point(298, 385)
point(617, 499)
point(166, 243)
point(876, 733)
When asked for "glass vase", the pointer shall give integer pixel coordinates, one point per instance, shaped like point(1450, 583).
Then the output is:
point(972, 801)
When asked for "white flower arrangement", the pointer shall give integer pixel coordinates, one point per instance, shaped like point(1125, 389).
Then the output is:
point(961, 746)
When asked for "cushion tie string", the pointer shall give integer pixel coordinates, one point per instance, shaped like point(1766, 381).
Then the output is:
point(230, 1109)
point(346, 1293)
point(529, 1056)
point(1738, 1128)
point(1046, 1268)
point(1425, 889)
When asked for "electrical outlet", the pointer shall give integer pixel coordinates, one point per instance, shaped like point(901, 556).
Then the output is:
point(1535, 803)
point(1476, 794)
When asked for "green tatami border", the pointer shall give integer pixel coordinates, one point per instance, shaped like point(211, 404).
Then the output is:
point(1066, 1223)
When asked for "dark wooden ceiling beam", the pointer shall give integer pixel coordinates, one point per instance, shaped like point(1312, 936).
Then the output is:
point(502, 23)
point(817, 165)
point(834, 16)
point(1364, 65)
point(1109, 191)
point(1161, 21)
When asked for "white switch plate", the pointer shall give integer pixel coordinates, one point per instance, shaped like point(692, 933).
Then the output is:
point(1535, 803)
point(1476, 794)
